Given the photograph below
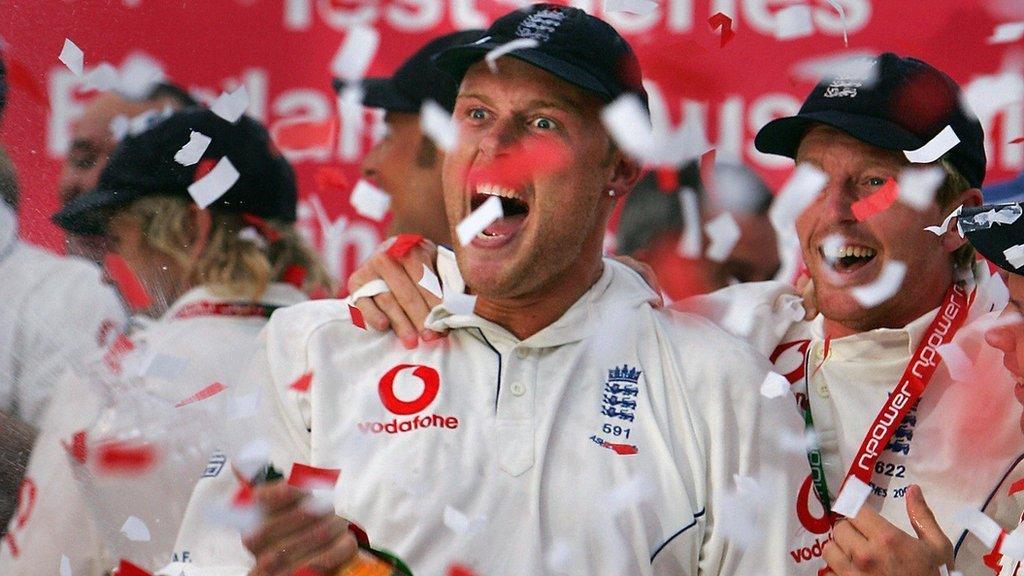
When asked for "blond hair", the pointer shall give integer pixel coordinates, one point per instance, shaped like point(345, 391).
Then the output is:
point(954, 184)
point(230, 265)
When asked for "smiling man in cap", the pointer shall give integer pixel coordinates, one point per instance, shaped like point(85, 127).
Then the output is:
point(565, 426)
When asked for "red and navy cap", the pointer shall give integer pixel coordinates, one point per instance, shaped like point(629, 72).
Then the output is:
point(143, 165)
point(890, 102)
point(417, 80)
point(571, 44)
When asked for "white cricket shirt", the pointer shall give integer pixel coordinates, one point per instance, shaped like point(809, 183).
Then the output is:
point(957, 444)
point(610, 442)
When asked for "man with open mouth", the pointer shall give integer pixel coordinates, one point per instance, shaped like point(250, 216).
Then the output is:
point(895, 298)
point(565, 426)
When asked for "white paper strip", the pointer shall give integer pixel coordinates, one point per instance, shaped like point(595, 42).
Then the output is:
point(883, 288)
point(774, 385)
point(135, 530)
point(978, 524)
point(723, 234)
point(430, 282)
point(943, 142)
point(690, 241)
point(941, 229)
point(209, 188)
point(1013, 544)
point(1006, 32)
point(917, 186)
point(65, 565)
point(638, 7)
point(355, 53)
point(855, 492)
point(193, 150)
point(368, 290)
point(231, 105)
point(479, 219)
point(842, 18)
point(369, 201)
point(437, 124)
point(1015, 255)
point(517, 44)
point(72, 57)
point(793, 22)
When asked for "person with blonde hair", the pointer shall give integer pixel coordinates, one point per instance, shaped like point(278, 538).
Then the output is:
point(167, 393)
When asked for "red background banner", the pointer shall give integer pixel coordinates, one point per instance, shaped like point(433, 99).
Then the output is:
point(282, 50)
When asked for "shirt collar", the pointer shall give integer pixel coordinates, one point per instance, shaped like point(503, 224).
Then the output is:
point(618, 289)
point(276, 294)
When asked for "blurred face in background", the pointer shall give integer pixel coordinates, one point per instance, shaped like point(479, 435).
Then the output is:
point(1010, 338)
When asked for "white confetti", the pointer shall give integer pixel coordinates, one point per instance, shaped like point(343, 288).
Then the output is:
point(649, 138)
point(231, 105)
point(978, 524)
point(135, 530)
point(72, 57)
point(628, 495)
point(739, 511)
point(138, 75)
point(853, 495)
point(638, 7)
point(320, 500)
point(517, 44)
point(165, 366)
point(250, 234)
point(690, 239)
point(479, 219)
point(1015, 255)
point(723, 234)
point(1013, 544)
point(793, 22)
point(244, 519)
point(956, 361)
point(430, 282)
point(883, 288)
point(213, 185)
point(943, 142)
point(369, 201)
point(193, 150)
point(941, 229)
point(459, 304)
point(437, 124)
point(102, 77)
point(774, 385)
point(1006, 32)
point(461, 524)
point(797, 193)
point(559, 557)
point(251, 459)
point(368, 290)
point(119, 126)
point(65, 565)
point(243, 406)
point(355, 53)
point(917, 186)
point(842, 18)
point(146, 120)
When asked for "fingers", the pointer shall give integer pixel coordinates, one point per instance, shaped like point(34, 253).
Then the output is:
point(363, 275)
point(853, 544)
point(838, 562)
point(291, 537)
point(809, 299)
point(925, 525)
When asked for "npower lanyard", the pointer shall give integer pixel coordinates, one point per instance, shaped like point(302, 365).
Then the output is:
point(232, 309)
point(915, 379)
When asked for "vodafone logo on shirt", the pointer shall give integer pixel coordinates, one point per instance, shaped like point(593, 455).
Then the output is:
point(408, 390)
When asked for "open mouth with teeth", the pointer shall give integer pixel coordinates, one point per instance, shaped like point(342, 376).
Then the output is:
point(513, 207)
point(847, 258)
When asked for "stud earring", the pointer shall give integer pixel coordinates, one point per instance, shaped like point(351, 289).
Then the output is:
point(611, 192)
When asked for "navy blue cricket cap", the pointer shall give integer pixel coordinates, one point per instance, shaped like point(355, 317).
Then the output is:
point(143, 164)
point(990, 237)
point(890, 102)
point(576, 47)
point(417, 80)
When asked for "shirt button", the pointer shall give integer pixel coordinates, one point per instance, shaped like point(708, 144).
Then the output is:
point(823, 390)
point(518, 389)
point(522, 353)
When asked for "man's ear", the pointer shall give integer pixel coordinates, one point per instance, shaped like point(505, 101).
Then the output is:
point(625, 175)
point(951, 239)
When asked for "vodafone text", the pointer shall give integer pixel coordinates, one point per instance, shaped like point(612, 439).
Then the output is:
point(396, 426)
point(808, 552)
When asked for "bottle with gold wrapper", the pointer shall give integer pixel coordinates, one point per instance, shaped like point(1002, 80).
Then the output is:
point(369, 562)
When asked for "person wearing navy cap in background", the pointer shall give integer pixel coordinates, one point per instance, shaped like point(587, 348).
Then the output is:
point(213, 276)
point(565, 426)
